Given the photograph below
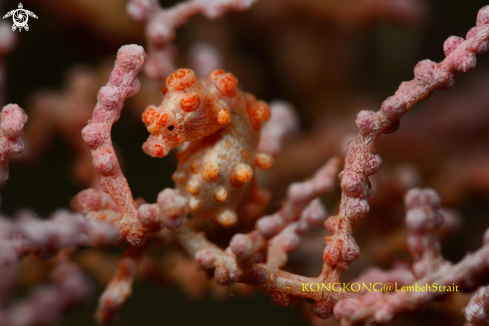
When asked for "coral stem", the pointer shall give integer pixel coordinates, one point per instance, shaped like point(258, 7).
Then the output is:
point(123, 83)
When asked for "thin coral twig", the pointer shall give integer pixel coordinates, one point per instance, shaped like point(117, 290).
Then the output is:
point(12, 123)
point(120, 287)
point(361, 159)
point(123, 83)
point(299, 196)
point(386, 307)
point(477, 310)
point(45, 238)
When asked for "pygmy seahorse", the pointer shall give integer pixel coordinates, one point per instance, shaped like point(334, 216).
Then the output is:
point(222, 124)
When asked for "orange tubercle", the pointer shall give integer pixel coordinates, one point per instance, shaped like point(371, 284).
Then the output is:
point(180, 79)
point(221, 194)
point(194, 204)
point(241, 174)
point(223, 116)
point(227, 218)
point(190, 102)
point(196, 166)
point(149, 115)
point(193, 187)
point(245, 153)
point(227, 84)
point(161, 119)
point(261, 111)
point(214, 74)
point(264, 161)
point(211, 172)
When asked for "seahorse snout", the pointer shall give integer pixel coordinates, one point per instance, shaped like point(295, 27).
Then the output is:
point(158, 145)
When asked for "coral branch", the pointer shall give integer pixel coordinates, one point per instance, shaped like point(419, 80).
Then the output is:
point(47, 304)
point(120, 287)
point(283, 287)
point(299, 196)
point(288, 240)
point(45, 239)
point(381, 250)
point(169, 211)
point(387, 306)
point(361, 159)
point(160, 26)
point(422, 219)
point(477, 310)
point(430, 269)
point(123, 83)
point(12, 123)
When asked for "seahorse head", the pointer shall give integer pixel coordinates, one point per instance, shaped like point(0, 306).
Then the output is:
point(193, 108)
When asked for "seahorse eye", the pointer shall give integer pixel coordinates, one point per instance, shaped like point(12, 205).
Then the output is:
point(171, 127)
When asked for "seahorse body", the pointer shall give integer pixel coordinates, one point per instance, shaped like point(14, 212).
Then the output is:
point(215, 171)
